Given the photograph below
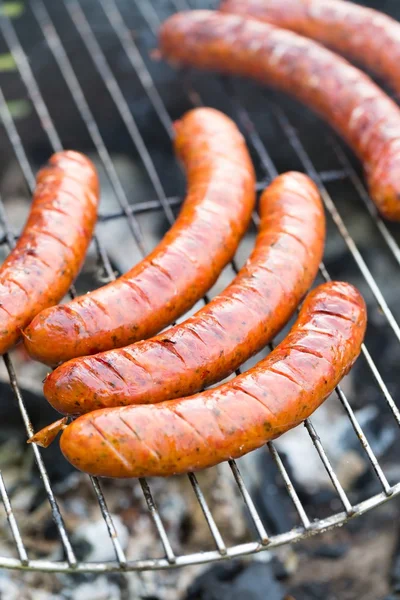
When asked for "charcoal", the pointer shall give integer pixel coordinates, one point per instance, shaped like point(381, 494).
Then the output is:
point(333, 551)
point(312, 591)
point(237, 580)
point(271, 497)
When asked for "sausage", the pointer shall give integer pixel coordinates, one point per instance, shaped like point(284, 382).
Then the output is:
point(191, 433)
point(363, 34)
point(51, 248)
point(357, 108)
point(222, 335)
point(186, 263)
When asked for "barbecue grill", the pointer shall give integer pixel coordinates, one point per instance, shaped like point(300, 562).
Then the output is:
point(134, 28)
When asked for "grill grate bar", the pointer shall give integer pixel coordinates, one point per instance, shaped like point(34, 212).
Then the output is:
point(13, 523)
point(124, 35)
point(328, 467)
point(40, 464)
point(9, 237)
point(364, 442)
point(251, 132)
point(333, 175)
point(97, 55)
point(362, 192)
point(388, 397)
point(50, 34)
point(297, 145)
point(289, 486)
point(16, 142)
point(155, 515)
point(219, 542)
point(249, 503)
point(29, 80)
point(119, 553)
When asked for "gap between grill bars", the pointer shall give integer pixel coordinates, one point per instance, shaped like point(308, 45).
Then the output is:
point(114, 16)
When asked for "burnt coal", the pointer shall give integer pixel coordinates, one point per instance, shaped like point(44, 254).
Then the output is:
point(395, 571)
point(271, 497)
point(332, 551)
point(237, 580)
point(312, 591)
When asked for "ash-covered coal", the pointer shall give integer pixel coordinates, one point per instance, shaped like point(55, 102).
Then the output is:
point(236, 580)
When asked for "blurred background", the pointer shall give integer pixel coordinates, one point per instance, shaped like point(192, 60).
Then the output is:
point(80, 75)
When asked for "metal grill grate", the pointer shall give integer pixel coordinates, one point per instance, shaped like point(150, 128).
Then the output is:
point(342, 171)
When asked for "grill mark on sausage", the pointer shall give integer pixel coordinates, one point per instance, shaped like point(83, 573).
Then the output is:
point(100, 305)
point(295, 237)
point(189, 425)
point(2, 307)
point(108, 365)
point(75, 313)
point(110, 446)
point(40, 259)
point(18, 284)
point(139, 291)
point(171, 348)
point(286, 375)
point(132, 359)
point(320, 331)
point(323, 311)
point(237, 386)
point(194, 333)
point(163, 271)
point(152, 451)
point(305, 350)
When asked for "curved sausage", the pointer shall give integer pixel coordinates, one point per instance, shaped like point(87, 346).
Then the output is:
point(226, 422)
point(357, 108)
point(363, 34)
point(221, 336)
point(51, 249)
point(186, 263)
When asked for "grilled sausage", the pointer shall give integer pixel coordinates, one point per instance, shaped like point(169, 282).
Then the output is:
point(50, 251)
point(363, 34)
point(222, 335)
point(367, 118)
point(185, 264)
point(226, 422)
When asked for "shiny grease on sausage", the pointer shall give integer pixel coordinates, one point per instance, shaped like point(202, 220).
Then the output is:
point(191, 433)
point(361, 33)
point(235, 325)
point(186, 263)
point(357, 108)
point(50, 250)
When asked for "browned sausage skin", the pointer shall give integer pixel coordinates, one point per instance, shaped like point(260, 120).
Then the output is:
point(50, 251)
point(222, 335)
point(363, 34)
point(357, 108)
point(186, 263)
point(226, 422)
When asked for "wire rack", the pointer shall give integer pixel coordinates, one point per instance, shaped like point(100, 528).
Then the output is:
point(343, 171)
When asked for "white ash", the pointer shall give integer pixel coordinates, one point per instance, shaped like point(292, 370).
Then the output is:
point(96, 535)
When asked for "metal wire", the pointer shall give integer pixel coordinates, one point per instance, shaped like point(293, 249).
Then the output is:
point(161, 202)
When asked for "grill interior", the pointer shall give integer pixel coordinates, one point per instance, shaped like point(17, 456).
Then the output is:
point(92, 86)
